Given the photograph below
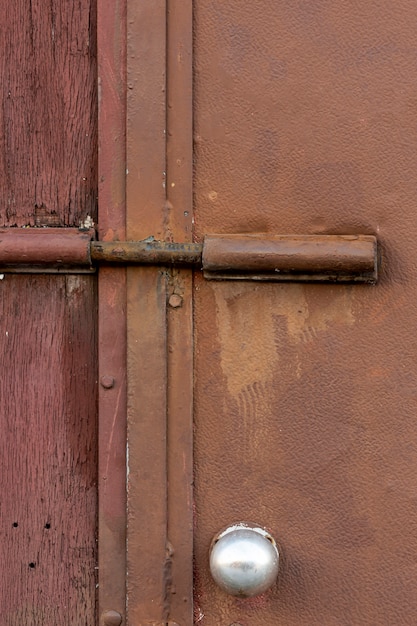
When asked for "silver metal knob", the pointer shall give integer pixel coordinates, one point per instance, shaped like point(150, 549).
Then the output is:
point(244, 560)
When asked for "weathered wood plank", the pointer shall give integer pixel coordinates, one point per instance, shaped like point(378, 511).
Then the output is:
point(48, 111)
point(48, 450)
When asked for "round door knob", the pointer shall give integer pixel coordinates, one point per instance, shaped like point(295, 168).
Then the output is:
point(244, 560)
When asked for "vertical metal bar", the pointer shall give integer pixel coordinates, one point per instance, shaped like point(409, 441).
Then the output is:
point(180, 331)
point(112, 315)
point(146, 332)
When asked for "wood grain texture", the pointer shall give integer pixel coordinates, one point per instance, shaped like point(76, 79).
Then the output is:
point(48, 450)
point(48, 111)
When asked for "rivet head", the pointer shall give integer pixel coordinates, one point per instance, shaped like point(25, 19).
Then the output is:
point(175, 300)
point(107, 382)
point(111, 618)
point(244, 560)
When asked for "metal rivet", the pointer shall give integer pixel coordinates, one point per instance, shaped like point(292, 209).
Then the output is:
point(175, 301)
point(111, 618)
point(107, 382)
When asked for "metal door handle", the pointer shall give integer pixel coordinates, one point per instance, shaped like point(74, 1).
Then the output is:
point(244, 560)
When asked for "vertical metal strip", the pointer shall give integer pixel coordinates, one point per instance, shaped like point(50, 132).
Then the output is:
point(147, 472)
point(112, 314)
point(180, 330)
point(146, 332)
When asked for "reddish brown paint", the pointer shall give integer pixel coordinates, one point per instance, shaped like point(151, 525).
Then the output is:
point(111, 26)
point(180, 318)
point(305, 396)
point(147, 546)
point(159, 204)
point(40, 249)
point(48, 143)
point(291, 257)
point(48, 113)
point(48, 450)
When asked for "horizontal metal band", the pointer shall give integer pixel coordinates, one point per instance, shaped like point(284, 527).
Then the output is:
point(323, 258)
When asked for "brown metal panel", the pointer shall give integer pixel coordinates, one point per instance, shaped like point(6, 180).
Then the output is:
point(147, 548)
point(180, 311)
point(112, 315)
point(48, 393)
point(305, 396)
point(147, 555)
point(180, 448)
point(146, 120)
point(159, 204)
point(48, 139)
point(111, 59)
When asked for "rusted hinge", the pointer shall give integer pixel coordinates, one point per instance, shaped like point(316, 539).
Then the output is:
point(319, 258)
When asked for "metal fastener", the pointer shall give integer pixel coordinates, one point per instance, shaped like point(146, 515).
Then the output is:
point(111, 618)
point(107, 382)
point(175, 300)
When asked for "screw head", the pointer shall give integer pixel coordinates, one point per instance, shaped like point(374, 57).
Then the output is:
point(107, 382)
point(111, 618)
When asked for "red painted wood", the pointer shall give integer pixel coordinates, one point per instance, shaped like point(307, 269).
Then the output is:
point(48, 372)
point(48, 110)
point(47, 450)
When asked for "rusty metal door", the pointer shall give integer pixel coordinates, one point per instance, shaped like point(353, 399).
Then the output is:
point(304, 395)
point(279, 395)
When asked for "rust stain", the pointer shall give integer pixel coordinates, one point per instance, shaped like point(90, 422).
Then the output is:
point(246, 324)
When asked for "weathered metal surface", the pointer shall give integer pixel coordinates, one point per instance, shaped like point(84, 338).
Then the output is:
point(112, 442)
point(148, 551)
point(111, 29)
point(179, 227)
point(48, 143)
point(48, 450)
point(255, 257)
point(147, 253)
point(305, 395)
point(42, 249)
point(159, 202)
point(147, 548)
point(306, 258)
